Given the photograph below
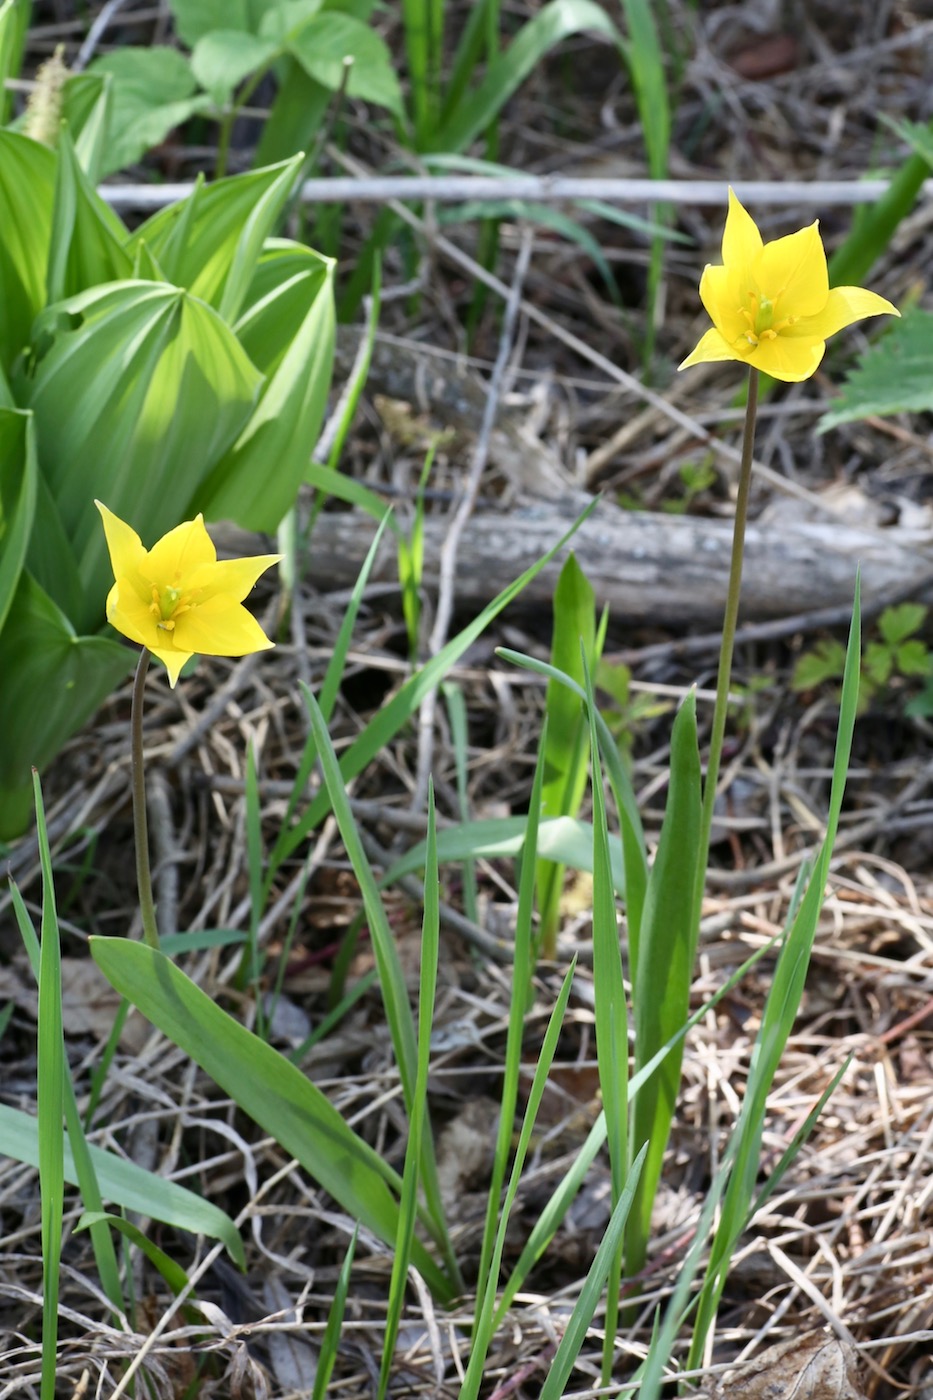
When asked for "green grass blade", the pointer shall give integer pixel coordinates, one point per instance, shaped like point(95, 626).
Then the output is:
point(522, 968)
point(267, 1086)
point(483, 1332)
point(104, 1252)
point(329, 690)
point(51, 1078)
point(390, 719)
point(459, 737)
point(610, 1246)
point(662, 959)
point(330, 1342)
point(556, 1208)
point(554, 22)
point(391, 977)
point(430, 941)
point(172, 1272)
point(778, 1018)
point(252, 965)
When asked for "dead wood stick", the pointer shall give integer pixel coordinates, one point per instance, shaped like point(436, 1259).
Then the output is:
point(647, 567)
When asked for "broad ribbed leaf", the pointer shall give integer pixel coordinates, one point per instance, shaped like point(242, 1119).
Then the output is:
point(211, 242)
point(27, 185)
point(14, 21)
point(88, 239)
point(86, 106)
point(257, 481)
point(134, 405)
point(17, 499)
point(43, 660)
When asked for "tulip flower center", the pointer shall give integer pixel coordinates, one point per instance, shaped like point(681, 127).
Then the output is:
point(760, 315)
point(168, 604)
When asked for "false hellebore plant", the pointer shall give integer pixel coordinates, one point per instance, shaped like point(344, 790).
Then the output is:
point(180, 368)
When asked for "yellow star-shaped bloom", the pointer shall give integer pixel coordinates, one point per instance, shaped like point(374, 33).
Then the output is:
point(176, 599)
point(771, 303)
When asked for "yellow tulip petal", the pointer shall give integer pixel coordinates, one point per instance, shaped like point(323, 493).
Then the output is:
point(125, 548)
point(789, 359)
point(173, 661)
point(234, 577)
point(180, 552)
point(741, 241)
point(723, 294)
point(791, 273)
point(129, 614)
point(712, 347)
point(843, 306)
point(220, 627)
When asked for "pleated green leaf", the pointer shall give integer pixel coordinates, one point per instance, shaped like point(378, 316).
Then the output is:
point(53, 681)
point(17, 499)
point(87, 245)
point(27, 185)
point(285, 424)
point(211, 242)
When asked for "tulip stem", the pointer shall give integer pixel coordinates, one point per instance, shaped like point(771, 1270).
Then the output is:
point(727, 646)
point(140, 822)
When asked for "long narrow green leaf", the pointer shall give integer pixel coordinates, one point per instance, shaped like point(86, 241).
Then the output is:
point(104, 1253)
point(548, 1221)
point(485, 1323)
point(561, 839)
point(266, 1085)
point(553, 23)
point(779, 1014)
point(330, 1342)
point(663, 958)
point(403, 705)
point(126, 1184)
point(522, 969)
point(391, 977)
point(51, 1078)
point(611, 1017)
point(408, 1212)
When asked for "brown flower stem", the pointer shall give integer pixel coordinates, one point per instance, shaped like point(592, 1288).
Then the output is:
point(140, 822)
point(729, 624)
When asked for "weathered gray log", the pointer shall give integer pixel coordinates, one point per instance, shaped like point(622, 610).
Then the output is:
point(647, 567)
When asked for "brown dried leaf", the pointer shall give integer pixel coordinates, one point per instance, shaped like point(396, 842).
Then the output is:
point(813, 1366)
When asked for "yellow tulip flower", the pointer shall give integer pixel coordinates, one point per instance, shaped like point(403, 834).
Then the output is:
point(771, 303)
point(176, 599)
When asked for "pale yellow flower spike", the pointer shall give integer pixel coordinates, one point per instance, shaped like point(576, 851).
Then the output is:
point(175, 599)
point(771, 304)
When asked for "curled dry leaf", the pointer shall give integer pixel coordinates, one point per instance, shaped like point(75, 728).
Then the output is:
point(812, 1366)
